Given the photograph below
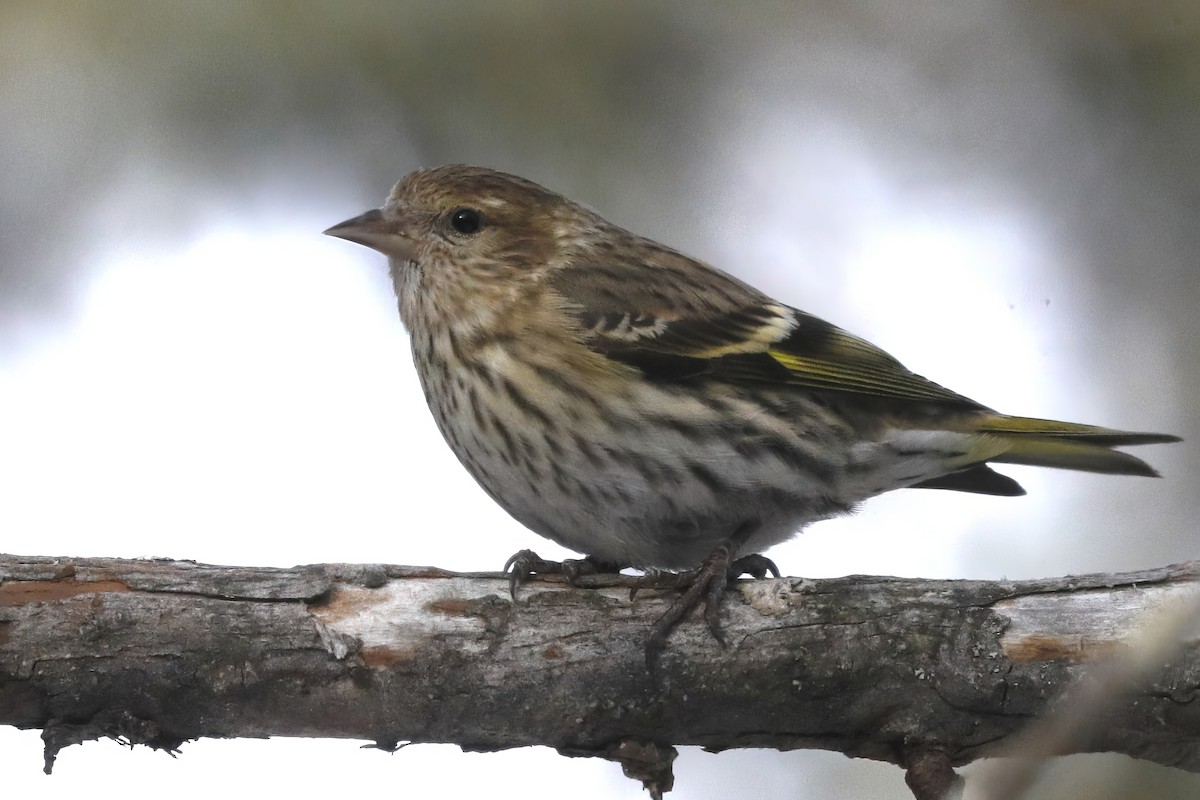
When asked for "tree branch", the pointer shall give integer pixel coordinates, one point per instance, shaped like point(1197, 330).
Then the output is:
point(925, 674)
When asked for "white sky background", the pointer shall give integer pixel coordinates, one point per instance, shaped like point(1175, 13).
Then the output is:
point(238, 389)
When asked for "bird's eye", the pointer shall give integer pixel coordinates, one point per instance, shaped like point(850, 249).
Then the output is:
point(466, 220)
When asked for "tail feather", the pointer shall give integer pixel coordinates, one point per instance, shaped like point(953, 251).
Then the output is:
point(976, 479)
point(1074, 431)
point(1074, 455)
point(1069, 445)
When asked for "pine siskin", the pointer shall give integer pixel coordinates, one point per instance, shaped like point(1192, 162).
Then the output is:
point(649, 410)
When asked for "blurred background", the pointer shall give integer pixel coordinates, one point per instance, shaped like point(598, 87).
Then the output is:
point(1003, 195)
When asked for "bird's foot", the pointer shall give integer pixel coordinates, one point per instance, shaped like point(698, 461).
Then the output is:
point(525, 564)
point(707, 583)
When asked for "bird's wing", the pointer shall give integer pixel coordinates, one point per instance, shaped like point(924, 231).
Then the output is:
point(677, 319)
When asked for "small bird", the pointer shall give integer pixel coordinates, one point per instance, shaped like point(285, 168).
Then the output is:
point(649, 410)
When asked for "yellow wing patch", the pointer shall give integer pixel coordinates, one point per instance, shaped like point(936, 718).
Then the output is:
point(874, 377)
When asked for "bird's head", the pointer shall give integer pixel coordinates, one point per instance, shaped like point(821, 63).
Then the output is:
point(468, 221)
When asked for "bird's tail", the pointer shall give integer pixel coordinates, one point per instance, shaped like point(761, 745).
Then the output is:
point(1069, 445)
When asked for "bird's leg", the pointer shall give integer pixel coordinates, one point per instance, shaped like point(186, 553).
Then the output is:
point(707, 582)
point(702, 582)
point(523, 565)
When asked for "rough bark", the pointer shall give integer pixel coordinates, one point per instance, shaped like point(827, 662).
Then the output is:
point(925, 674)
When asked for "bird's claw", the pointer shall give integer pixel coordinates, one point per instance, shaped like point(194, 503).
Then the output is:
point(521, 566)
point(756, 566)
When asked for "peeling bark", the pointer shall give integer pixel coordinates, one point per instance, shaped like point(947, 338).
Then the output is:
point(925, 674)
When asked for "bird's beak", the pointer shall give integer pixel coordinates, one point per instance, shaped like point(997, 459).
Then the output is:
point(379, 231)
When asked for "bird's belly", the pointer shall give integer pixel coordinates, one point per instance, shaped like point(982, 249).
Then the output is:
point(658, 479)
